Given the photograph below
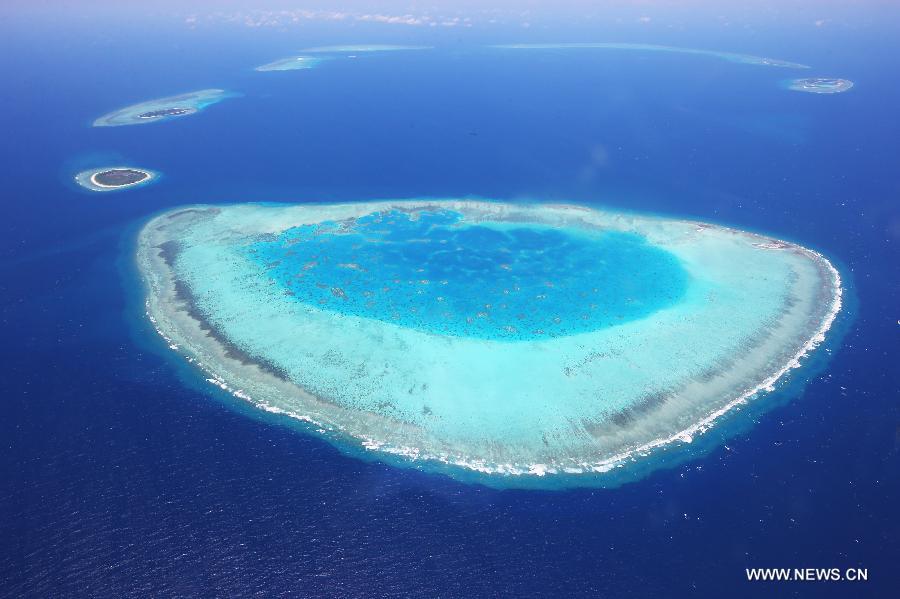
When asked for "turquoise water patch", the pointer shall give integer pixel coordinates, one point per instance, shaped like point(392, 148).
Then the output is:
point(432, 272)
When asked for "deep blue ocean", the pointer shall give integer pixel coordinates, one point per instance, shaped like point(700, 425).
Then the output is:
point(124, 474)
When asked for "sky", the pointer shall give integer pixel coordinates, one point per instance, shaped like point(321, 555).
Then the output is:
point(472, 13)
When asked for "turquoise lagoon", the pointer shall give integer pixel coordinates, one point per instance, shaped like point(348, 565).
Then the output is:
point(516, 340)
point(487, 280)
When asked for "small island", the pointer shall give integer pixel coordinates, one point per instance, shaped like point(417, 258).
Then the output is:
point(163, 109)
point(114, 178)
point(820, 85)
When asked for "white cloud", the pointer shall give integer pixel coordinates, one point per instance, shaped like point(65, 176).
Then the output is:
point(281, 18)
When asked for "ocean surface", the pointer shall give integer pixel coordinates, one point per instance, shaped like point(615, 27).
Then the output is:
point(123, 473)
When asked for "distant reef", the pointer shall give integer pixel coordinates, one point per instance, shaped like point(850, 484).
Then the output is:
point(163, 109)
point(513, 342)
point(292, 63)
point(729, 56)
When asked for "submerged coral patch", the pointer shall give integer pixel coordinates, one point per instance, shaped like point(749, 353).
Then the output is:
point(430, 271)
point(820, 85)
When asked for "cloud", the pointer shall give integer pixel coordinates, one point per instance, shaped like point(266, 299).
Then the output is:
point(283, 18)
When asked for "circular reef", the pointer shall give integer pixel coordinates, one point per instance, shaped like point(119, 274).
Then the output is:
point(113, 178)
point(820, 85)
point(480, 338)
